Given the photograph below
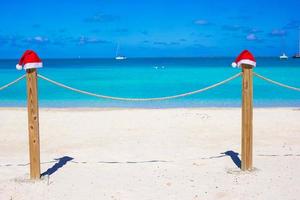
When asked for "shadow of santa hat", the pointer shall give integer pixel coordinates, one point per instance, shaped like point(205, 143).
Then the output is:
point(29, 60)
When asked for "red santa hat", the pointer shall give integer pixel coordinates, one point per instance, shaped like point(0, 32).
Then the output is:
point(245, 57)
point(29, 60)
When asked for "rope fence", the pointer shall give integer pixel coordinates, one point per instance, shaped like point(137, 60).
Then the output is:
point(139, 99)
point(12, 82)
point(150, 99)
point(276, 82)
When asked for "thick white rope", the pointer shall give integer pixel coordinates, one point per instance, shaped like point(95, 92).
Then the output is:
point(276, 83)
point(139, 99)
point(13, 82)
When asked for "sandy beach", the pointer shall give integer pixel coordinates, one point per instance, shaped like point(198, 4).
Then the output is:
point(150, 154)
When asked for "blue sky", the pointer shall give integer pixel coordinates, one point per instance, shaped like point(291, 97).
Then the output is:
point(156, 28)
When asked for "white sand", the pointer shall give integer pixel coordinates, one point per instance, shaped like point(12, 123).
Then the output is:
point(158, 154)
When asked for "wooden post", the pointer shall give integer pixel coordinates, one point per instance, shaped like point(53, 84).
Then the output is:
point(247, 117)
point(33, 123)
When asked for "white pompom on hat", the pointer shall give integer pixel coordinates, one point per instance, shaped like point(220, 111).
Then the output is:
point(234, 65)
point(29, 60)
point(245, 57)
point(19, 67)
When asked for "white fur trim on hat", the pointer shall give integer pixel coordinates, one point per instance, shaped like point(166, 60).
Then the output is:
point(247, 62)
point(33, 65)
point(19, 67)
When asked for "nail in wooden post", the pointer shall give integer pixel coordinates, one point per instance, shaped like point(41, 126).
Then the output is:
point(247, 117)
point(33, 123)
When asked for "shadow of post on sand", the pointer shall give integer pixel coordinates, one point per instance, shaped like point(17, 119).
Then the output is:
point(234, 157)
point(61, 162)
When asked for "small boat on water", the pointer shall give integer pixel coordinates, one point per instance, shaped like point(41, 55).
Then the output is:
point(297, 55)
point(283, 57)
point(118, 56)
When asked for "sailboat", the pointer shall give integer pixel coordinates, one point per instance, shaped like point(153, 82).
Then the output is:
point(283, 57)
point(118, 56)
point(297, 55)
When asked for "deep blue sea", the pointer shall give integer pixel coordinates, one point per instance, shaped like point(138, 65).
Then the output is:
point(152, 77)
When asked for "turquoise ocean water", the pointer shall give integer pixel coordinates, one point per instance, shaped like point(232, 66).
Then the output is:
point(152, 77)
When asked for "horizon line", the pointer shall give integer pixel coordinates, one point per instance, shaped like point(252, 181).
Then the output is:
point(150, 57)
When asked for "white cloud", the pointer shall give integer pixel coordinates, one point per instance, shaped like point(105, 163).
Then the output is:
point(90, 40)
point(201, 22)
point(40, 39)
point(37, 40)
point(251, 37)
point(278, 33)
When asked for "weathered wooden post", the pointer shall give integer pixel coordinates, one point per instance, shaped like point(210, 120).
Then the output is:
point(247, 117)
point(31, 61)
point(33, 123)
point(247, 61)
